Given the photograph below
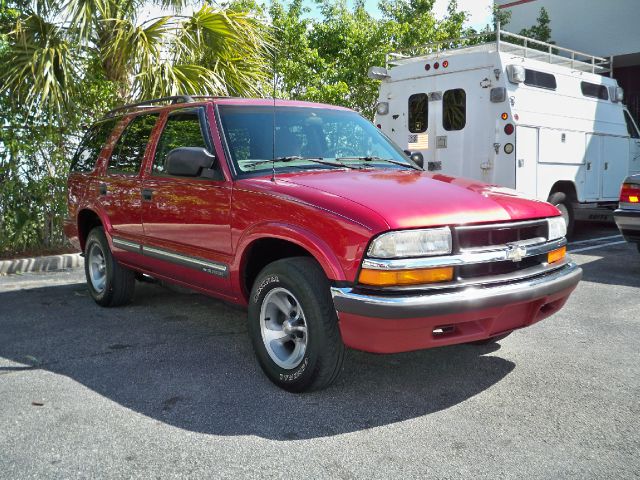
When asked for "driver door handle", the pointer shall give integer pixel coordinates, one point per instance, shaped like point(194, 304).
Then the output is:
point(147, 194)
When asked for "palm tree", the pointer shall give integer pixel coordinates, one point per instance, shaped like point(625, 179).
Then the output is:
point(59, 44)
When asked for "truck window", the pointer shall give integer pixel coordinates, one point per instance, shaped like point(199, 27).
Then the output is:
point(418, 113)
point(534, 78)
point(85, 158)
point(129, 151)
point(594, 90)
point(454, 109)
point(631, 128)
point(181, 130)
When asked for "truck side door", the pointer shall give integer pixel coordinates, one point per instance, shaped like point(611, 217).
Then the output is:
point(186, 219)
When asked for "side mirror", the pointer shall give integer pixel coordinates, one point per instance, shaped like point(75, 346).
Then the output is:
point(416, 157)
point(188, 161)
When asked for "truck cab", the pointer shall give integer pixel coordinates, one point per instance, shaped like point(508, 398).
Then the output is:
point(514, 112)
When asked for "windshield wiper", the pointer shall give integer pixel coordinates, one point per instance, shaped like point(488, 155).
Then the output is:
point(291, 158)
point(380, 159)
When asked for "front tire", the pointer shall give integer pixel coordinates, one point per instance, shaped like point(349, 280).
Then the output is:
point(293, 325)
point(109, 283)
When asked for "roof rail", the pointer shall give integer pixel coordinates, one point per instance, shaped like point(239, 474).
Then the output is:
point(507, 42)
point(172, 99)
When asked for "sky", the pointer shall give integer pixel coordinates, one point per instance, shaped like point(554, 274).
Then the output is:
point(479, 10)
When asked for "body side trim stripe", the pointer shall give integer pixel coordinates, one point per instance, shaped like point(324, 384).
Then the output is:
point(197, 263)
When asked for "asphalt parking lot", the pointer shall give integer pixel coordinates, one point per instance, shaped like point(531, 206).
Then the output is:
point(168, 388)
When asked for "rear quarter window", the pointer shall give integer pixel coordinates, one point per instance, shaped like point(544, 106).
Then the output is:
point(90, 147)
point(129, 150)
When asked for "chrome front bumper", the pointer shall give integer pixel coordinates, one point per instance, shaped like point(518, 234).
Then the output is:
point(457, 301)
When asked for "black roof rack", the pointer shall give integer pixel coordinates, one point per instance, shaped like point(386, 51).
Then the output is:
point(173, 99)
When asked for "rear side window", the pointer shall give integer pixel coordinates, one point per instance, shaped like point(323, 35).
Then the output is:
point(418, 113)
point(534, 78)
point(129, 151)
point(85, 158)
point(454, 109)
point(181, 130)
point(594, 90)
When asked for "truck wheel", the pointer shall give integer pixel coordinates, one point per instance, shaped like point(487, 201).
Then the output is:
point(489, 340)
point(110, 284)
point(563, 203)
point(293, 325)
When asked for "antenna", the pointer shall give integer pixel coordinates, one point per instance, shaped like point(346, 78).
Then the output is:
point(273, 95)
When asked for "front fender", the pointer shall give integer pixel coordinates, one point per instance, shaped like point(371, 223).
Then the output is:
point(304, 238)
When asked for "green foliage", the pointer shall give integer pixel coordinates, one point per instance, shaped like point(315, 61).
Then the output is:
point(541, 30)
point(66, 62)
point(327, 60)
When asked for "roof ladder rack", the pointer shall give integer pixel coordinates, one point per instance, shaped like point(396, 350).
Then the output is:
point(172, 99)
point(503, 41)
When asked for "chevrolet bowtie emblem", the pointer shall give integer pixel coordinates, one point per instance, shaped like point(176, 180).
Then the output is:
point(515, 253)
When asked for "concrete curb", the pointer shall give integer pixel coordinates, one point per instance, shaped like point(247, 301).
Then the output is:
point(50, 263)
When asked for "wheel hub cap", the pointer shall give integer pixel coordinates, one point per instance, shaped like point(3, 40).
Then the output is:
point(97, 268)
point(283, 328)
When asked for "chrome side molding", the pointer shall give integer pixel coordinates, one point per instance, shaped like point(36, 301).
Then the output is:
point(197, 263)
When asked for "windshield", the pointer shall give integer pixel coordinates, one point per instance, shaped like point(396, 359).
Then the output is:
point(305, 138)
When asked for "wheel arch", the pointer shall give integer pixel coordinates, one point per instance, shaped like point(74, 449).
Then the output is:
point(268, 243)
point(87, 220)
point(567, 187)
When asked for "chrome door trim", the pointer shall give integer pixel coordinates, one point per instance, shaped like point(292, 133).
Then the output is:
point(197, 263)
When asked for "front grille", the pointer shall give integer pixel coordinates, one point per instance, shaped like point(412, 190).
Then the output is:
point(479, 236)
point(479, 270)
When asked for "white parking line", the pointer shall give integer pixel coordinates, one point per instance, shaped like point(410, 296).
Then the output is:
point(579, 242)
point(593, 247)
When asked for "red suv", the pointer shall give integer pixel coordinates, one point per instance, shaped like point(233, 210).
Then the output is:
point(309, 216)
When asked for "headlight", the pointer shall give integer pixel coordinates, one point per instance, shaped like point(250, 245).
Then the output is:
point(557, 228)
point(412, 243)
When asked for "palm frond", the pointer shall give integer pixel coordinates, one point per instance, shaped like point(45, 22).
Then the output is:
point(42, 65)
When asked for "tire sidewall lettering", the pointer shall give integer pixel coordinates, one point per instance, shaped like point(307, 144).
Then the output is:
point(293, 376)
point(268, 281)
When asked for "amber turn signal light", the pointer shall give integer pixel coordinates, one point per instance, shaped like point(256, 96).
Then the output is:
point(385, 278)
point(556, 255)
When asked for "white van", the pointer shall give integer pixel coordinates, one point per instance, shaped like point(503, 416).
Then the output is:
point(545, 123)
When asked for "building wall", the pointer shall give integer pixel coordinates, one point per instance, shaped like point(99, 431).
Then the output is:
point(597, 27)
point(629, 79)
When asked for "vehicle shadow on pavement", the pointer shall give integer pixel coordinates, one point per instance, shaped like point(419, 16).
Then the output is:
point(185, 360)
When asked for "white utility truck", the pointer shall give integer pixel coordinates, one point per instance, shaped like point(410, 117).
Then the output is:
point(514, 112)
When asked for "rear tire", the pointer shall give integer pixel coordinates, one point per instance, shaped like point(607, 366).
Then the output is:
point(109, 283)
point(293, 325)
point(563, 203)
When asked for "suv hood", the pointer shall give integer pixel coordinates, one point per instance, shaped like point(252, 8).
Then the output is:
point(411, 199)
